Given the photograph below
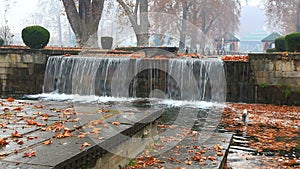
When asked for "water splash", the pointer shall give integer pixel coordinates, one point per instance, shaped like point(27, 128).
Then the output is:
point(176, 79)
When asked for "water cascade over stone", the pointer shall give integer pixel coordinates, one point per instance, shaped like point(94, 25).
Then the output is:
point(178, 79)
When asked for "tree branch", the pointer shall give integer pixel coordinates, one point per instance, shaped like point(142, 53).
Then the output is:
point(130, 16)
point(212, 21)
point(97, 8)
point(136, 7)
point(72, 14)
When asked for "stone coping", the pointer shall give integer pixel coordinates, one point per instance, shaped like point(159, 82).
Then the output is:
point(274, 56)
point(52, 51)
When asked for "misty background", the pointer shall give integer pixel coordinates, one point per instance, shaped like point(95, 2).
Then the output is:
point(24, 13)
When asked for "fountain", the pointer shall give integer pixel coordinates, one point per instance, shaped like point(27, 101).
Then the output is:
point(177, 79)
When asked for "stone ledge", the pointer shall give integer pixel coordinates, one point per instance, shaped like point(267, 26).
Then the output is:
point(273, 56)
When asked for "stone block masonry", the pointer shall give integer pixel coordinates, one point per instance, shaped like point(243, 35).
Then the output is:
point(277, 78)
point(21, 73)
point(22, 69)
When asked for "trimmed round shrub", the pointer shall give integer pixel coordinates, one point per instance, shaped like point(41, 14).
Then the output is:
point(1, 41)
point(35, 37)
point(280, 44)
point(293, 42)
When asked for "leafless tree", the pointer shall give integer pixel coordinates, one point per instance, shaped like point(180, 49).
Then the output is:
point(284, 15)
point(6, 35)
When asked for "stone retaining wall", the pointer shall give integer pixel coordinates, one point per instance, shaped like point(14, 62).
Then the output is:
point(266, 78)
point(277, 77)
point(22, 73)
point(240, 82)
point(22, 69)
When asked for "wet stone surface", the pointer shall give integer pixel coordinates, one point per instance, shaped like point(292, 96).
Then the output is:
point(35, 134)
point(45, 134)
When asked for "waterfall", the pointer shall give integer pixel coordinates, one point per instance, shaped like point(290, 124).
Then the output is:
point(178, 79)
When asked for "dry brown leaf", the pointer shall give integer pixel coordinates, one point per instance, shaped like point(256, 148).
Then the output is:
point(85, 144)
point(220, 153)
point(17, 108)
point(20, 142)
point(10, 99)
point(48, 142)
point(81, 135)
point(171, 159)
point(216, 147)
point(30, 154)
point(32, 137)
point(211, 158)
point(68, 134)
point(4, 154)
point(3, 142)
point(187, 162)
point(16, 134)
point(116, 123)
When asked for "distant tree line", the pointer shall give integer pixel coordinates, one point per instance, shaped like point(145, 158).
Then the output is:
point(283, 15)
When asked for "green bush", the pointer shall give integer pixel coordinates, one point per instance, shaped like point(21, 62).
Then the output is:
point(293, 42)
point(271, 50)
point(35, 37)
point(1, 41)
point(280, 44)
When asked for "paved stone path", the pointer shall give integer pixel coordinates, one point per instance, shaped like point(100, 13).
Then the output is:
point(38, 135)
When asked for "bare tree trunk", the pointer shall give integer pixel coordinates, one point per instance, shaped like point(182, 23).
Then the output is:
point(143, 36)
point(203, 29)
point(182, 40)
point(85, 21)
point(298, 17)
point(141, 29)
point(194, 36)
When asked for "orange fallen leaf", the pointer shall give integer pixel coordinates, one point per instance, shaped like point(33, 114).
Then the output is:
point(68, 134)
point(202, 151)
point(32, 137)
point(96, 130)
point(85, 144)
point(116, 123)
point(17, 109)
point(20, 142)
point(3, 142)
point(171, 158)
point(59, 135)
point(58, 126)
point(81, 135)
point(10, 99)
point(211, 158)
point(178, 161)
point(2, 155)
point(63, 135)
point(216, 147)
point(16, 134)
point(47, 142)
point(220, 153)
point(45, 117)
point(188, 162)
point(31, 122)
point(38, 107)
point(6, 109)
point(29, 154)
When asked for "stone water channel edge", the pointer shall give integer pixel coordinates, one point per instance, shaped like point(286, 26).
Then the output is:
point(40, 134)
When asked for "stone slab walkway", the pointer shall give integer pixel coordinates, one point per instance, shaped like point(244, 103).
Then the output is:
point(38, 134)
point(41, 135)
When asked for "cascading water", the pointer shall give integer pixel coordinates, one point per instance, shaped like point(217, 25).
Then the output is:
point(178, 79)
